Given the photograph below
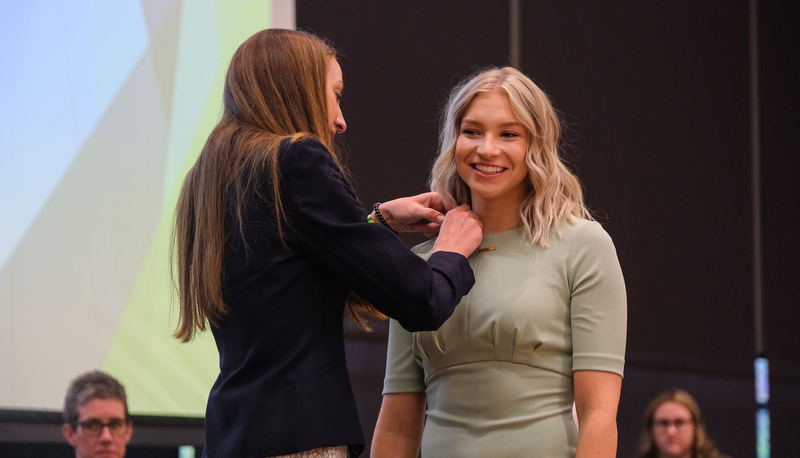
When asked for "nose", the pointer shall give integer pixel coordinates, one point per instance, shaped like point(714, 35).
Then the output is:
point(105, 434)
point(488, 147)
point(340, 124)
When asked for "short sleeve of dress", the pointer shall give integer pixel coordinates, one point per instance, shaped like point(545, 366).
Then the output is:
point(403, 374)
point(599, 306)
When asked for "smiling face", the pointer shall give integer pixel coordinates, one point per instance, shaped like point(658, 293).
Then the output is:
point(334, 87)
point(490, 153)
point(106, 444)
point(673, 430)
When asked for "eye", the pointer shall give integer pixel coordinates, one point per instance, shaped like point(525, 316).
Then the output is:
point(468, 131)
point(92, 425)
point(116, 423)
point(510, 134)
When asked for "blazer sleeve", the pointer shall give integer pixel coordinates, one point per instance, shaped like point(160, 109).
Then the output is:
point(329, 227)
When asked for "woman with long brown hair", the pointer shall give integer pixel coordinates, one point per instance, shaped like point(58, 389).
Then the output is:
point(674, 428)
point(271, 243)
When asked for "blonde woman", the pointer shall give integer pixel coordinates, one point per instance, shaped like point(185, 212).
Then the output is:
point(544, 325)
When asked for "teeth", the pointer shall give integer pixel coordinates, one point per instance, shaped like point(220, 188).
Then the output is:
point(488, 169)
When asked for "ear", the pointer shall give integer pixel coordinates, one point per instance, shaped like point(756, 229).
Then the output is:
point(129, 434)
point(69, 434)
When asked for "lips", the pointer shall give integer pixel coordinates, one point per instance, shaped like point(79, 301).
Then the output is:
point(488, 169)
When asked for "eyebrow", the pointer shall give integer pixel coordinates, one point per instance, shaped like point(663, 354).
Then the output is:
point(96, 418)
point(505, 124)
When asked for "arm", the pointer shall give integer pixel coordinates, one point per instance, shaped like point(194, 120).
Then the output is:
point(398, 432)
point(598, 318)
point(328, 227)
point(596, 400)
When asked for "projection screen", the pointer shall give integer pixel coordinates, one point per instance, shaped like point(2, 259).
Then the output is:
point(105, 106)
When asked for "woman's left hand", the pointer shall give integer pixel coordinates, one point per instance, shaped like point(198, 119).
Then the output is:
point(422, 213)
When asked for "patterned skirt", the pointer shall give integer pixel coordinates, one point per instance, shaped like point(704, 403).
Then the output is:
point(322, 452)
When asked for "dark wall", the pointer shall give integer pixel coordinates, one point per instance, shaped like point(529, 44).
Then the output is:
point(656, 96)
point(396, 75)
point(780, 97)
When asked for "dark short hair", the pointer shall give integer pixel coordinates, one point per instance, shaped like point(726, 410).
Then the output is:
point(92, 385)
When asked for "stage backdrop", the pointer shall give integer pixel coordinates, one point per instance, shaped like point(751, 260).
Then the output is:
point(105, 106)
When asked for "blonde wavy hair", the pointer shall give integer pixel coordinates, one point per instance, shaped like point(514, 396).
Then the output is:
point(556, 195)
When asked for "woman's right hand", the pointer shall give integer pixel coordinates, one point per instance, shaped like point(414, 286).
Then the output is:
point(461, 232)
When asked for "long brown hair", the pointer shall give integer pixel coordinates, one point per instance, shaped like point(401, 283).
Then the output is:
point(703, 446)
point(275, 89)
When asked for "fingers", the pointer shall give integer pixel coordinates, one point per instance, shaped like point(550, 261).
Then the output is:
point(434, 200)
point(461, 232)
point(433, 215)
point(420, 213)
point(423, 213)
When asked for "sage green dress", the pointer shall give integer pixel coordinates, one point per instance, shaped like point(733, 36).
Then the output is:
point(498, 373)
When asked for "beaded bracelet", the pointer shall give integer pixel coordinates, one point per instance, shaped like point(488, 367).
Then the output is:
point(380, 217)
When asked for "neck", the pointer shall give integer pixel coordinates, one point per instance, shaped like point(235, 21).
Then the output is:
point(496, 216)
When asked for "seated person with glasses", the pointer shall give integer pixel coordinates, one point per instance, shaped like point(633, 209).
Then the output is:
point(96, 421)
point(674, 428)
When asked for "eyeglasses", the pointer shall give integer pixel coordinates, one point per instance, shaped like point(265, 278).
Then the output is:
point(679, 423)
point(94, 427)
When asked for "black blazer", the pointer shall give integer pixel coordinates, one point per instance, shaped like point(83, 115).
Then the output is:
point(283, 385)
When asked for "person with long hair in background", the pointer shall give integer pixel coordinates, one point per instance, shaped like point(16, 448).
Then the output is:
point(674, 428)
point(545, 324)
point(271, 243)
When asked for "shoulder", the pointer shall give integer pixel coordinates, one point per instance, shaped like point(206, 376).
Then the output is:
point(590, 247)
point(308, 148)
point(307, 158)
point(308, 171)
point(585, 231)
point(584, 239)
